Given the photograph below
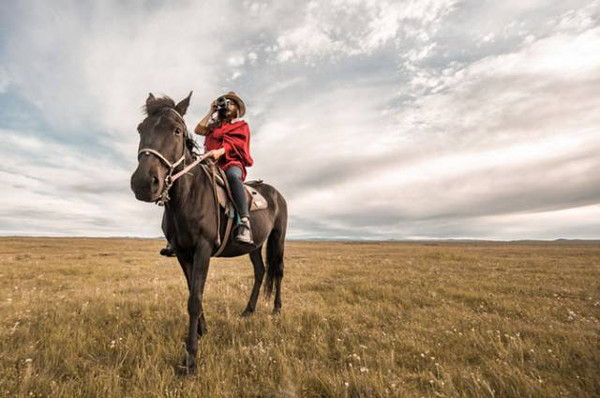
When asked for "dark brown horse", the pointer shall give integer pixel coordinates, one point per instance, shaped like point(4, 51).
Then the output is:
point(190, 216)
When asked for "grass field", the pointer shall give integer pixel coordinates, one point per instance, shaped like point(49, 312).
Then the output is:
point(107, 317)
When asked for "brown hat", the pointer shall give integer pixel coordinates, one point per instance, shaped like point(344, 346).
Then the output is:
point(234, 97)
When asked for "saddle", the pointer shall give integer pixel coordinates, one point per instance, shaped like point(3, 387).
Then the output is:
point(256, 201)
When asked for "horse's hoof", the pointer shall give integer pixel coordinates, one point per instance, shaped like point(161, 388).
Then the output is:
point(187, 367)
point(246, 313)
point(276, 311)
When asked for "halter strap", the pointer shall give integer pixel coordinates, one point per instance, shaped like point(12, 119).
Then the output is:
point(148, 151)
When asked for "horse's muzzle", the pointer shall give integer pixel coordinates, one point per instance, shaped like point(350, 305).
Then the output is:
point(146, 183)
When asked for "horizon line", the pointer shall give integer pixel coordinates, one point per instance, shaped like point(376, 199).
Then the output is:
point(321, 239)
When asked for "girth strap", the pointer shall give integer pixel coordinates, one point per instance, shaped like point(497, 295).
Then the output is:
point(221, 243)
point(225, 237)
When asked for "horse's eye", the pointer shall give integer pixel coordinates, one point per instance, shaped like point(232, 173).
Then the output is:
point(177, 131)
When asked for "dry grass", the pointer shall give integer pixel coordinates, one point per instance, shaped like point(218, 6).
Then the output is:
point(106, 317)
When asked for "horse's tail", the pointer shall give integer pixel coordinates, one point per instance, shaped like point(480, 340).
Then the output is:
point(275, 248)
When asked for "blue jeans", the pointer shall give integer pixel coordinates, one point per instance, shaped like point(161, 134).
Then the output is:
point(234, 177)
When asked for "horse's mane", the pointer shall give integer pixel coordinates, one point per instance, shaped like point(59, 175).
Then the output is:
point(159, 106)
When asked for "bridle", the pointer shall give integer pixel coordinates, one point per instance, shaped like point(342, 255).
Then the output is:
point(170, 178)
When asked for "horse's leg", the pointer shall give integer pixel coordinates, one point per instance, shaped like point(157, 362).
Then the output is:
point(259, 272)
point(277, 306)
point(186, 266)
point(187, 272)
point(197, 322)
point(275, 246)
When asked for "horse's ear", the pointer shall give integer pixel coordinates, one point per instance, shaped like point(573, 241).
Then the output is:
point(183, 105)
point(150, 98)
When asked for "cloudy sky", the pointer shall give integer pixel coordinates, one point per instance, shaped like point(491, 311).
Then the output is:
point(375, 119)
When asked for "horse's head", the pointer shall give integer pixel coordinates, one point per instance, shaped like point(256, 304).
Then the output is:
point(163, 136)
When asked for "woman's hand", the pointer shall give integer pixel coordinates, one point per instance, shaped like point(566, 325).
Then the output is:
point(216, 153)
point(207, 123)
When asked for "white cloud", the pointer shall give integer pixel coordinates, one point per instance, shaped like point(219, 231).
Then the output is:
point(252, 57)
point(236, 60)
point(83, 74)
point(434, 186)
point(579, 19)
point(65, 192)
point(418, 19)
point(343, 28)
point(311, 39)
point(545, 88)
point(374, 118)
point(498, 134)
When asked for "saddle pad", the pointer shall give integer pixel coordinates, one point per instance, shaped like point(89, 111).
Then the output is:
point(256, 201)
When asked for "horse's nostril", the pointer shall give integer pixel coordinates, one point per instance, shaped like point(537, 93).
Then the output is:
point(154, 184)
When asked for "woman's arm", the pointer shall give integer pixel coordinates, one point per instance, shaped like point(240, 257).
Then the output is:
point(207, 123)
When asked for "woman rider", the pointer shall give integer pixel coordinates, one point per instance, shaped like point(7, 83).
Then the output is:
point(227, 140)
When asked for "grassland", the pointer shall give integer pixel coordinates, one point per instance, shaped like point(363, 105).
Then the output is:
point(107, 317)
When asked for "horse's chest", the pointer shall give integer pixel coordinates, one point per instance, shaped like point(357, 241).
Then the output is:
point(184, 232)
